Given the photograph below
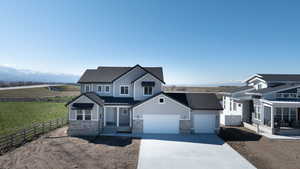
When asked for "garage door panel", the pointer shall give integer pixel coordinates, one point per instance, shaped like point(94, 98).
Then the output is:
point(161, 124)
point(204, 123)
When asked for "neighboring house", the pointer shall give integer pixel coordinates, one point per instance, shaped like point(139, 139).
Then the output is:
point(269, 102)
point(130, 99)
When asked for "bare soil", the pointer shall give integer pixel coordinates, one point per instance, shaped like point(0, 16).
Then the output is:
point(262, 152)
point(58, 151)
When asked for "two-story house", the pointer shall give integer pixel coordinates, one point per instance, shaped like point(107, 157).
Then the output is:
point(131, 99)
point(269, 102)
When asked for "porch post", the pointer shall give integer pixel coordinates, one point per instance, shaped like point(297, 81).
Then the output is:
point(104, 117)
point(118, 116)
point(130, 117)
point(272, 117)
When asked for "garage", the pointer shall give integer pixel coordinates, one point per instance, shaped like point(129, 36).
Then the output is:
point(161, 124)
point(204, 123)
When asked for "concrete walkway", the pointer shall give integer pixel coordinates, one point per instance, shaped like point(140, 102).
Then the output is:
point(188, 152)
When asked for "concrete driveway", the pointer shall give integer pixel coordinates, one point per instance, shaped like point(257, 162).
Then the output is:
point(188, 152)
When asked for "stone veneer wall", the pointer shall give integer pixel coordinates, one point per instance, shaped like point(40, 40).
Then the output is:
point(81, 127)
point(137, 126)
point(185, 126)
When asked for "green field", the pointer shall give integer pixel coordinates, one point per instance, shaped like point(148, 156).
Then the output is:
point(21, 114)
point(41, 92)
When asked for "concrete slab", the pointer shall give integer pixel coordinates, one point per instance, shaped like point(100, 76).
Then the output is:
point(188, 152)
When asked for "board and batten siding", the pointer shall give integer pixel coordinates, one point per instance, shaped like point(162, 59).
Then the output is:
point(139, 89)
point(153, 106)
point(126, 79)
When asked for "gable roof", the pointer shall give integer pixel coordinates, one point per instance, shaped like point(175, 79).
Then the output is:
point(91, 95)
point(276, 77)
point(274, 89)
point(105, 74)
point(195, 101)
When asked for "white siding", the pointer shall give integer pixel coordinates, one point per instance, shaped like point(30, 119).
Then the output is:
point(230, 116)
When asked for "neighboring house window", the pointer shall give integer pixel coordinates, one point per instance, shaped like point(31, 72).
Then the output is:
point(257, 112)
point(79, 115)
point(230, 105)
point(99, 88)
point(124, 90)
point(224, 102)
point(87, 88)
point(107, 89)
point(259, 86)
point(148, 90)
point(234, 106)
point(161, 100)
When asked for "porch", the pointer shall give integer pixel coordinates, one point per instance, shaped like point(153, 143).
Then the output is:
point(117, 119)
point(282, 118)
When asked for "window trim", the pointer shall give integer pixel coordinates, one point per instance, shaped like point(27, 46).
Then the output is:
point(98, 88)
point(124, 90)
point(83, 115)
point(147, 94)
point(87, 85)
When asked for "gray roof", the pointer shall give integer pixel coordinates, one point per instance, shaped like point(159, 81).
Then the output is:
point(197, 101)
point(108, 74)
point(91, 95)
point(280, 77)
point(273, 89)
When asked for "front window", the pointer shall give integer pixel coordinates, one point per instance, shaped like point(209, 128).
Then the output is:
point(124, 90)
point(79, 115)
point(147, 90)
point(293, 114)
point(285, 114)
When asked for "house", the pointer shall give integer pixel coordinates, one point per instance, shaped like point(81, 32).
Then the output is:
point(130, 99)
point(269, 103)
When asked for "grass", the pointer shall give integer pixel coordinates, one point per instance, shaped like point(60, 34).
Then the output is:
point(21, 114)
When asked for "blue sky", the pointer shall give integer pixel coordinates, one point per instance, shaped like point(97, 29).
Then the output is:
point(195, 41)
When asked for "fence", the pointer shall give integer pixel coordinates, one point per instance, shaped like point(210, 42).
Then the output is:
point(21, 136)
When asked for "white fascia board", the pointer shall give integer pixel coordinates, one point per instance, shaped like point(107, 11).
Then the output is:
point(249, 78)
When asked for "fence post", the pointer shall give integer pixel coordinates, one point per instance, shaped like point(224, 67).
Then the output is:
point(57, 123)
point(24, 135)
point(11, 140)
point(50, 124)
point(43, 127)
point(34, 131)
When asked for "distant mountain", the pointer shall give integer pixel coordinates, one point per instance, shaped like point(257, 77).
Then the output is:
point(9, 74)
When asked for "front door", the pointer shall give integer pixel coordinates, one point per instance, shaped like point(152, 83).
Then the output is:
point(298, 113)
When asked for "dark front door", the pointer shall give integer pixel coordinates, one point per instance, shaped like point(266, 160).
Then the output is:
point(298, 113)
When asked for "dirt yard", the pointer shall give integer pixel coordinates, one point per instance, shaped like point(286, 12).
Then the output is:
point(261, 151)
point(58, 151)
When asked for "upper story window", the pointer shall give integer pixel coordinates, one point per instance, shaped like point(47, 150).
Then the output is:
point(99, 88)
point(259, 86)
point(147, 90)
point(107, 89)
point(103, 88)
point(87, 88)
point(124, 90)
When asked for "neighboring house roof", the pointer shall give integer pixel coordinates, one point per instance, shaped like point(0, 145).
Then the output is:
point(276, 77)
point(109, 74)
point(195, 101)
point(274, 89)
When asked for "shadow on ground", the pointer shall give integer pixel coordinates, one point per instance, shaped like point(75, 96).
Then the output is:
point(191, 138)
point(235, 134)
point(110, 140)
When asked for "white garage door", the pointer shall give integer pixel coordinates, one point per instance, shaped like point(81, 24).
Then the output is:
point(204, 123)
point(161, 124)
